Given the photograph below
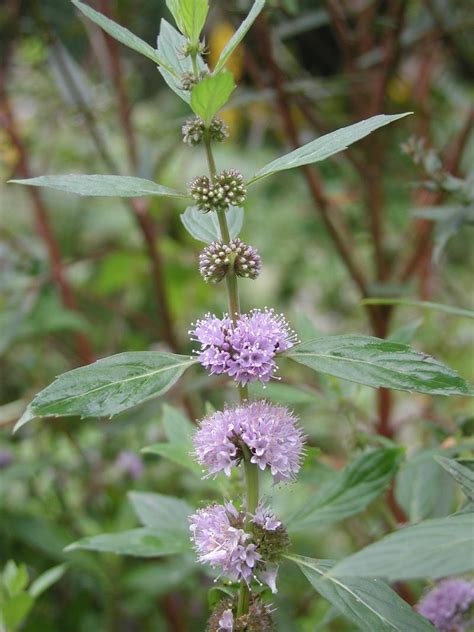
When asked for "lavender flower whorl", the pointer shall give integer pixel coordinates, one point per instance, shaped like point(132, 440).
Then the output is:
point(236, 543)
point(218, 258)
point(245, 350)
point(269, 432)
point(449, 606)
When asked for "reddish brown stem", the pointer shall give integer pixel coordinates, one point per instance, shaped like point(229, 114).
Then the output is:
point(117, 78)
point(84, 347)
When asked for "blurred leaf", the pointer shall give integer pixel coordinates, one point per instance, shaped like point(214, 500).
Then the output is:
point(438, 307)
point(153, 580)
point(108, 386)
point(205, 226)
point(326, 145)
point(165, 513)
point(59, 57)
point(145, 542)
point(46, 580)
point(405, 334)
point(176, 453)
point(433, 548)
point(15, 578)
point(348, 492)
point(239, 35)
point(369, 603)
point(283, 393)
point(14, 611)
point(463, 475)
point(211, 94)
point(379, 363)
point(179, 448)
point(422, 489)
point(170, 42)
point(121, 34)
point(98, 185)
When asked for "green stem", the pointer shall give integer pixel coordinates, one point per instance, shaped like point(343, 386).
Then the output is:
point(251, 483)
point(251, 470)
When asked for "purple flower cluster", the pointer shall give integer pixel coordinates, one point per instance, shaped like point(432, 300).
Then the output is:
point(221, 539)
point(448, 606)
point(269, 432)
point(244, 350)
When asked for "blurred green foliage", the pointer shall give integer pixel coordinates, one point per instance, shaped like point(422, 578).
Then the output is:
point(68, 479)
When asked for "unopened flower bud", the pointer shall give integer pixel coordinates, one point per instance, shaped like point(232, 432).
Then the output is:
point(194, 129)
point(230, 187)
point(257, 619)
point(218, 258)
point(190, 79)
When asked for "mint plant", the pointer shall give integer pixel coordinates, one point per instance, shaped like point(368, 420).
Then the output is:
point(243, 539)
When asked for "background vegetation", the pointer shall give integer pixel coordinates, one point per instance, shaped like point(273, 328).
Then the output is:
point(83, 278)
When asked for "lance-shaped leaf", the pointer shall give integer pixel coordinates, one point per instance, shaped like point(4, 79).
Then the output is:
point(348, 492)
point(379, 363)
point(239, 35)
point(433, 548)
point(144, 542)
point(369, 603)
point(326, 145)
point(205, 226)
point(102, 186)
point(211, 94)
point(166, 513)
point(170, 42)
point(462, 474)
point(439, 307)
point(179, 447)
point(122, 34)
point(108, 386)
point(190, 16)
point(165, 532)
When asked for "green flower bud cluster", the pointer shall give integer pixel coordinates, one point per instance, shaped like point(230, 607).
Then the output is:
point(190, 79)
point(226, 189)
point(194, 129)
point(218, 258)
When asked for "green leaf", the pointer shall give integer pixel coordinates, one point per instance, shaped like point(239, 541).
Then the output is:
point(379, 363)
point(46, 580)
point(462, 474)
point(169, 42)
point(369, 603)
point(121, 34)
point(348, 492)
point(15, 610)
point(176, 453)
point(166, 513)
point(211, 94)
point(179, 449)
point(326, 145)
point(108, 386)
point(15, 578)
point(97, 185)
point(190, 16)
point(205, 226)
point(406, 333)
point(423, 489)
point(145, 542)
point(239, 35)
point(438, 307)
point(433, 548)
